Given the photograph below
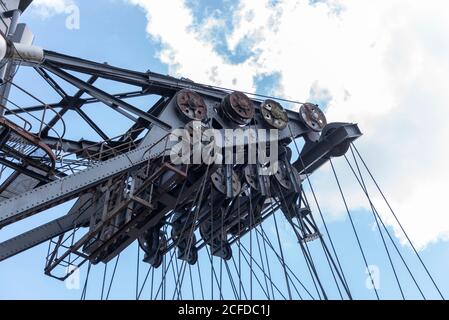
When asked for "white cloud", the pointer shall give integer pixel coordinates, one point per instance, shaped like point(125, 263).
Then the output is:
point(184, 50)
point(382, 64)
point(48, 8)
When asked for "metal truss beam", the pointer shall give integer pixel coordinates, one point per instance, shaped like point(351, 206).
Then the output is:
point(69, 103)
point(106, 98)
point(70, 187)
point(159, 119)
point(151, 82)
point(314, 155)
point(92, 124)
point(23, 169)
point(86, 101)
point(94, 68)
point(51, 82)
point(78, 215)
point(141, 123)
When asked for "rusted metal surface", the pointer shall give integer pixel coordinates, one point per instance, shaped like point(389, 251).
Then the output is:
point(191, 105)
point(31, 138)
point(238, 107)
point(313, 117)
point(274, 114)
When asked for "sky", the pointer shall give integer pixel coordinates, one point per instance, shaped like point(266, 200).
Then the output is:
point(381, 64)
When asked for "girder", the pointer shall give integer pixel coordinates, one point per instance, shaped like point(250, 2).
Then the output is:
point(128, 184)
point(79, 215)
point(123, 173)
point(53, 193)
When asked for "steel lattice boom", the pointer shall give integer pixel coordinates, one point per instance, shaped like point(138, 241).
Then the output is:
point(127, 188)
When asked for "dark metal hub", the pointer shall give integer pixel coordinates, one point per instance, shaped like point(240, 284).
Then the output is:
point(153, 243)
point(184, 237)
point(215, 235)
point(191, 105)
point(219, 181)
point(238, 107)
point(313, 117)
point(274, 114)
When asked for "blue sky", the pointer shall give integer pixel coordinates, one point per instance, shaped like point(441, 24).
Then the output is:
point(233, 43)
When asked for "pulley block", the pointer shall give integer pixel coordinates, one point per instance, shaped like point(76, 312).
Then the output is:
point(153, 242)
point(238, 108)
point(313, 117)
point(191, 105)
point(274, 114)
point(282, 176)
point(219, 181)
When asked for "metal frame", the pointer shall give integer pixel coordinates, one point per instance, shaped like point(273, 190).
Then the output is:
point(128, 166)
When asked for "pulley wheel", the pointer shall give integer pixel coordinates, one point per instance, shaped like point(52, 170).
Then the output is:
point(219, 181)
point(191, 105)
point(341, 149)
point(238, 107)
point(313, 117)
point(282, 176)
point(274, 114)
point(251, 176)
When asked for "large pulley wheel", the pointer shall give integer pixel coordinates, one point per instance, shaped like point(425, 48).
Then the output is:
point(182, 223)
point(255, 179)
point(274, 114)
point(219, 181)
point(238, 108)
point(222, 250)
point(191, 105)
point(153, 243)
point(313, 117)
point(216, 237)
point(190, 255)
